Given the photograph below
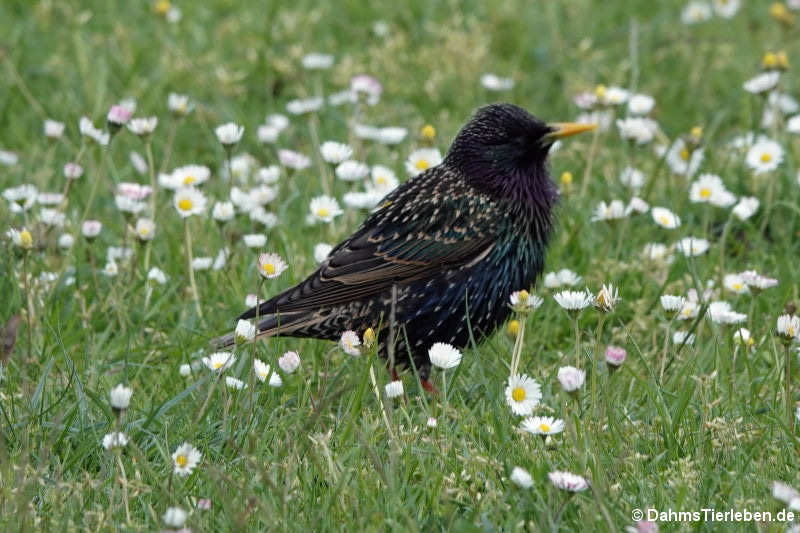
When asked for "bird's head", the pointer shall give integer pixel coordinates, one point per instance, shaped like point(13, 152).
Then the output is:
point(503, 149)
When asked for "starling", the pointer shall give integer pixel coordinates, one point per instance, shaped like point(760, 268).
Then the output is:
point(442, 253)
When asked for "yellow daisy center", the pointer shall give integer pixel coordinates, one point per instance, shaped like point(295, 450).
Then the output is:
point(161, 7)
point(705, 192)
point(685, 154)
point(25, 239)
point(790, 331)
point(185, 204)
point(545, 428)
point(143, 231)
point(268, 268)
point(188, 180)
point(422, 164)
point(766, 158)
point(217, 365)
point(381, 180)
point(518, 394)
point(181, 460)
point(323, 212)
point(664, 220)
point(738, 286)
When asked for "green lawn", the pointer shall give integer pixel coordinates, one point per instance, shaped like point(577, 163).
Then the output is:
point(676, 427)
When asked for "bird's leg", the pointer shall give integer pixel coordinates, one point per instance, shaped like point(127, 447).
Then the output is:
point(428, 386)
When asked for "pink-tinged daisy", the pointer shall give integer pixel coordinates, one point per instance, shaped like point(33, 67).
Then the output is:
point(271, 266)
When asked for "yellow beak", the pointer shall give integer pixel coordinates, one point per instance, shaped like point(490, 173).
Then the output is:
point(565, 129)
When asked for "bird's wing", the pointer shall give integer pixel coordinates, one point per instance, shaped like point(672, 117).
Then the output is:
point(428, 226)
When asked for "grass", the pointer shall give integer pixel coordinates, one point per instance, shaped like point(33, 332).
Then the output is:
point(317, 453)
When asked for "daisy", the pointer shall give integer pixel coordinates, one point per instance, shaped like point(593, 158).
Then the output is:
point(615, 355)
point(735, 283)
point(179, 104)
point(268, 175)
point(117, 117)
point(289, 362)
point(72, 171)
point(641, 130)
point(394, 389)
point(788, 327)
point(444, 356)
point(175, 517)
point(607, 298)
point(371, 88)
point(422, 159)
point(568, 481)
point(665, 218)
point(611, 96)
point(746, 207)
point(115, 440)
point(134, 191)
point(157, 275)
point(342, 97)
point(315, 61)
point(722, 313)
point(793, 124)
point(352, 170)
point(671, 303)
point(574, 300)
point(189, 201)
point(742, 336)
point(362, 200)
point(542, 425)
point(111, 269)
point(190, 175)
point(244, 332)
point(254, 240)
point(66, 241)
point(202, 263)
point(22, 197)
point(267, 134)
point(692, 246)
point(571, 378)
point(229, 133)
point(185, 459)
point(764, 156)
point(493, 82)
point(521, 478)
point(264, 217)
point(21, 238)
point(522, 394)
point(766, 81)
point(87, 129)
point(683, 337)
point(637, 205)
point(384, 179)
point(221, 259)
point(726, 8)
point(145, 229)
point(705, 187)
point(350, 343)
point(128, 205)
point(615, 210)
point(91, 228)
point(640, 104)
point(143, 127)
point(223, 211)
point(523, 300)
point(756, 281)
point(335, 153)
point(324, 208)
point(270, 266)
point(293, 160)
point(278, 121)
point(321, 251)
point(301, 107)
point(682, 159)
point(120, 397)
point(219, 361)
point(53, 129)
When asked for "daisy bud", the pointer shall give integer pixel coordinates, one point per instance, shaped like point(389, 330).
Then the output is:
point(566, 181)
point(120, 397)
point(245, 332)
point(369, 338)
point(115, 440)
point(117, 117)
point(444, 356)
point(607, 298)
point(571, 378)
point(513, 328)
point(428, 132)
point(788, 328)
point(615, 356)
point(289, 362)
point(185, 370)
point(175, 517)
point(521, 478)
point(394, 389)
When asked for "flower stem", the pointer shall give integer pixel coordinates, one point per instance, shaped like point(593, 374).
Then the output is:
point(189, 259)
point(149, 151)
point(788, 393)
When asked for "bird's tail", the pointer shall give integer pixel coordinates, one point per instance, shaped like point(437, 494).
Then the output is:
point(269, 326)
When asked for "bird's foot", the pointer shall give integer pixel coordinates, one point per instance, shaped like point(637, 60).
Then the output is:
point(428, 386)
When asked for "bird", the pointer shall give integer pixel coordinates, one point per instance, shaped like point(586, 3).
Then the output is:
point(438, 258)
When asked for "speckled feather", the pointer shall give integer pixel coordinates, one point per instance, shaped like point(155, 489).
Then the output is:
point(455, 241)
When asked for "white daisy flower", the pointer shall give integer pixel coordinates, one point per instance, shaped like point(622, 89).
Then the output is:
point(324, 208)
point(726, 8)
point(143, 126)
point(66, 241)
point(665, 218)
point(641, 130)
point(444, 356)
point(756, 281)
point(219, 361)
point(521, 478)
point(157, 275)
point(316, 61)
point(640, 104)
point(179, 104)
point(202, 263)
point(793, 124)
point(523, 394)
point(746, 207)
point(722, 313)
point(672, 303)
point(335, 153)
point(229, 134)
point(87, 129)
point(568, 481)
point(394, 389)
point(53, 129)
point(574, 300)
point(120, 397)
point(493, 82)
point(185, 459)
point(321, 251)
point(682, 160)
point(788, 327)
point(350, 343)
point(607, 298)
point(111, 269)
point(308, 105)
point(289, 362)
point(384, 179)
point(189, 201)
point(637, 205)
point(542, 425)
point(271, 265)
point(269, 175)
point(267, 134)
point(422, 159)
point(254, 240)
point(190, 175)
point(175, 517)
point(72, 171)
point(735, 283)
point(632, 178)
point(368, 86)
point(742, 336)
point(352, 170)
point(293, 160)
point(263, 371)
point(245, 331)
point(223, 211)
point(607, 212)
point(692, 246)
point(91, 228)
point(764, 156)
point(145, 229)
point(683, 337)
point(766, 81)
point(525, 300)
point(571, 378)
point(115, 440)
point(610, 96)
